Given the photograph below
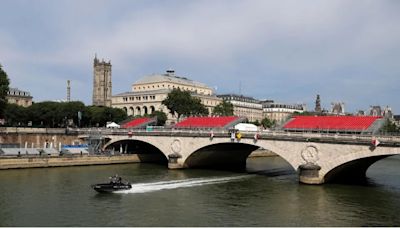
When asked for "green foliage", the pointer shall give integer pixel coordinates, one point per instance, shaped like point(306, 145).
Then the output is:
point(99, 115)
point(161, 117)
point(257, 123)
point(182, 103)
point(267, 123)
point(54, 114)
point(390, 127)
point(223, 109)
point(4, 83)
point(16, 115)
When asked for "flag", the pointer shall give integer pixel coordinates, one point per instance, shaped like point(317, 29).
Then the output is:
point(375, 142)
point(256, 136)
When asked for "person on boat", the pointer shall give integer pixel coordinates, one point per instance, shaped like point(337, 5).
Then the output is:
point(114, 179)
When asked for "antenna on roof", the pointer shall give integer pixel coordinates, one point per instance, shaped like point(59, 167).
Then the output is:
point(171, 72)
point(68, 91)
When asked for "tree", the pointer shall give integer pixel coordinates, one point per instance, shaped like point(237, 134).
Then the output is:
point(390, 127)
point(256, 122)
point(16, 115)
point(4, 83)
point(267, 123)
point(99, 115)
point(182, 103)
point(161, 117)
point(223, 109)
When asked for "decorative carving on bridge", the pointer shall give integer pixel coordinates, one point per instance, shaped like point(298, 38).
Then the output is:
point(176, 145)
point(310, 154)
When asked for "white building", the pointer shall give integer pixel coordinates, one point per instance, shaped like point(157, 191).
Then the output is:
point(148, 93)
point(244, 106)
point(281, 112)
point(19, 97)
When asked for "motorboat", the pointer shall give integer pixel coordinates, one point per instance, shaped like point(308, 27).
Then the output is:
point(115, 184)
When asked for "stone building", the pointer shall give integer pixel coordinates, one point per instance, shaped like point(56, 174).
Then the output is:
point(318, 107)
point(337, 108)
point(281, 112)
point(19, 97)
point(376, 110)
point(148, 93)
point(102, 85)
point(244, 106)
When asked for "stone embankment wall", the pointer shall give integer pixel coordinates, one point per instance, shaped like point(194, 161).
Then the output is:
point(37, 137)
point(42, 162)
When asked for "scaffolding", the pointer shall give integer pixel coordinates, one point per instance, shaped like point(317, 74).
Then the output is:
point(95, 142)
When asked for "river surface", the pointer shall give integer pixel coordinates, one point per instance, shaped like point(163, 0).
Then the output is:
point(268, 195)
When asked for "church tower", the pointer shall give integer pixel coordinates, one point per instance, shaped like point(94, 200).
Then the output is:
point(318, 104)
point(102, 87)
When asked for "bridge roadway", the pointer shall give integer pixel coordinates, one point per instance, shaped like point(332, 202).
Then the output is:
point(317, 157)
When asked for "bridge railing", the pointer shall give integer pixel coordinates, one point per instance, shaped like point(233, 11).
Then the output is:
point(277, 134)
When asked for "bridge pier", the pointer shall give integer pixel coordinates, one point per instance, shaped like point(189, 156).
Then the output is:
point(309, 174)
point(173, 161)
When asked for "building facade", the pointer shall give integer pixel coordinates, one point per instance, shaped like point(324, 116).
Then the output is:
point(376, 110)
point(247, 107)
point(280, 113)
point(337, 108)
point(148, 93)
point(102, 84)
point(19, 97)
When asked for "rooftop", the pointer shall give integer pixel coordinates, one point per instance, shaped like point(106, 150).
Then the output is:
point(168, 77)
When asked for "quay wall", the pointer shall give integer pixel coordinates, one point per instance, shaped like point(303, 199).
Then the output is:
point(37, 137)
point(42, 162)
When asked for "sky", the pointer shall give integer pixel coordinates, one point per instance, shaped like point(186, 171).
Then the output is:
point(287, 50)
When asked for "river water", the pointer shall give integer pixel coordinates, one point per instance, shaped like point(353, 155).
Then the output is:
point(267, 195)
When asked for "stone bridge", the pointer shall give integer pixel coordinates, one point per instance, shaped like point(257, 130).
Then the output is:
point(317, 157)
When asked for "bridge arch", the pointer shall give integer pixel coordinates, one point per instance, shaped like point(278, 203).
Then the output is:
point(221, 155)
point(224, 153)
point(352, 170)
point(145, 151)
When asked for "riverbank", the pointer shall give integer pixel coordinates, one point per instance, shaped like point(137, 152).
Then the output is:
point(43, 162)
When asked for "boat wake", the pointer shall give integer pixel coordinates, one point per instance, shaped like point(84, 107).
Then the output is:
point(186, 183)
